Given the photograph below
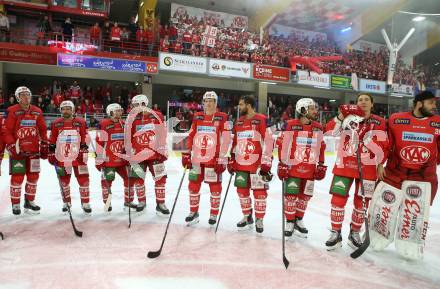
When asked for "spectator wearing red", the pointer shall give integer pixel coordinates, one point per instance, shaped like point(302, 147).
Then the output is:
point(164, 31)
point(173, 32)
point(177, 47)
point(75, 92)
point(87, 107)
point(95, 34)
point(187, 41)
point(149, 39)
point(196, 39)
point(164, 44)
point(58, 98)
point(115, 34)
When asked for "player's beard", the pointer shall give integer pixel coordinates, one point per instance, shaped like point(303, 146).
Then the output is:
point(425, 112)
point(67, 115)
point(244, 111)
point(313, 117)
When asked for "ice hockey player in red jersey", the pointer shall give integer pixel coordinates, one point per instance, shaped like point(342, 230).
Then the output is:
point(109, 143)
point(2, 143)
point(301, 150)
point(251, 161)
point(357, 127)
point(149, 147)
point(206, 156)
point(68, 150)
point(401, 202)
point(25, 136)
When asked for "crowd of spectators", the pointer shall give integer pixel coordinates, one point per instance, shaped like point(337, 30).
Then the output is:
point(87, 99)
point(184, 34)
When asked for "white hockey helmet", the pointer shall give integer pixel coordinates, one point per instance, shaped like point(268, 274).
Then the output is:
point(210, 95)
point(112, 108)
point(304, 103)
point(140, 99)
point(351, 122)
point(21, 89)
point(67, 103)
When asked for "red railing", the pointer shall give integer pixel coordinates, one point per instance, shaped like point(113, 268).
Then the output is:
point(76, 43)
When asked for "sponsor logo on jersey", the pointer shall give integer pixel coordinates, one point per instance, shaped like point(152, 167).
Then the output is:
point(204, 141)
point(68, 139)
point(292, 185)
point(401, 121)
point(245, 134)
point(417, 137)
point(240, 178)
point(340, 184)
point(256, 121)
point(415, 154)
point(435, 124)
point(117, 136)
point(306, 141)
point(28, 122)
point(205, 129)
point(413, 192)
point(145, 127)
point(35, 113)
point(18, 165)
point(388, 197)
point(217, 118)
point(373, 121)
point(296, 127)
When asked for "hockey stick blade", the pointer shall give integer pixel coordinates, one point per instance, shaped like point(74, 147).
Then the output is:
point(75, 230)
point(286, 262)
point(359, 251)
point(154, 254)
point(2, 236)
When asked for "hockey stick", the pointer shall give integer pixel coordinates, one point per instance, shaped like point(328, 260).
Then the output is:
point(224, 201)
point(2, 236)
point(129, 205)
point(155, 254)
point(285, 261)
point(77, 233)
point(363, 247)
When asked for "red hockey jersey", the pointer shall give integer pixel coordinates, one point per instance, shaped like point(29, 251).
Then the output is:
point(68, 135)
point(148, 136)
point(374, 148)
point(414, 142)
point(25, 126)
point(302, 146)
point(251, 143)
point(209, 138)
point(110, 141)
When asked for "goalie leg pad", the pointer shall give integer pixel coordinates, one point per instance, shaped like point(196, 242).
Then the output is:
point(384, 208)
point(412, 222)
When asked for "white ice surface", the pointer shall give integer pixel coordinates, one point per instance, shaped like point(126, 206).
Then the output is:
point(42, 251)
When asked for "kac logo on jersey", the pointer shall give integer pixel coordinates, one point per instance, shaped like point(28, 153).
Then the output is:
point(435, 124)
point(28, 122)
point(417, 137)
point(415, 154)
